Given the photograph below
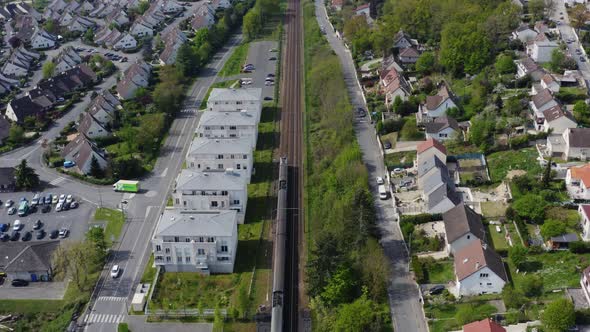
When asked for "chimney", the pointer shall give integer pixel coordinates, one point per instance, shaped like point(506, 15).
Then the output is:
point(477, 265)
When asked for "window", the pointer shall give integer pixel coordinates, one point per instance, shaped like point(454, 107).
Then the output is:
point(219, 156)
point(158, 248)
point(245, 156)
point(223, 248)
point(213, 203)
point(232, 127)
point(238, 103)
point(184, 203)
point(468, 237)
point(236, 201)
point(159, 258)
point(484, 275)
point(222, 127)
point(220, 166)
point(198, 165)
point(210, 239)
point(238, 166)
point(233, 135)
point(223, 193)
point(223, 258)
point(489, 283)
point(188, 239)
point(187, 259)
point(179, 259)
point(231, 157)
point(167, 250)
point(201, 239)
point(176, 239)
point(168, 259)
point(443, 135)
point(207, 128)
point(200, 252)
point(178, 201)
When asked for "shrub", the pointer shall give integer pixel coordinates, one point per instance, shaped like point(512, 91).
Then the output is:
point(421, 218)
point(580, 247)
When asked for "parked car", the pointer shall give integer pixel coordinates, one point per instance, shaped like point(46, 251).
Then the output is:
point(8, 203)
point(54, 234)
point(69, 163)
point(63, 233)
point(115, 271)
point(3, 227)
point(17, 225)
point(35, 200)
point(69, 199)
point(73, 205)
point(47, 199)
point(54, 199)
point(582, 59)
point(37, 225)
point(387, 145)
point(270, 75)
point(40, 234)
point(272, 58)
point(267, 98)
point(12, 210)
point(27, 236)
point(436, 289)
point(380, 180)
point(46, 208)
point(59, 207)
point(19, 283)
point(62, 198)
point(4, 237)
point(14, 236)
point(273, 50)
point(65, 206)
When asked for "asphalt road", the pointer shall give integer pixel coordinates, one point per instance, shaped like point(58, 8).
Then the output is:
point(110, 300)
point(567, 32)
point(404, 298)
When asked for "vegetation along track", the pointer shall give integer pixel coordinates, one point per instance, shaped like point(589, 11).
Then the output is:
point(291, 146)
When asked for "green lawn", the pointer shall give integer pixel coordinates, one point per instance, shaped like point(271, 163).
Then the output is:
point(398, 158)
point(224, 84)
point(446, 314)
point(493, 209)
point(499, 163)
point(559, 269)
point(236, 61)
point(409, 131)
point(441, 272)
point(150, 272)
point(498, 239)
point(114, 222)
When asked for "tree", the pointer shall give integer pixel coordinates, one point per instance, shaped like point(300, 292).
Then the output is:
point(16, 134)
point(551, 228)
point(578, 16)
point(95, 169)
point(546, 179)
point(323, 262)
point(530, 207)
point(14, 42)
point(557, 58)
point(360, 315)
point(26, 178)
point(95, 237)
point(532, 285)
point(187, 61)
point(50, 26)
point(48, 69)
point(464, 48)
point(559, 315)
point(581, 111)
point(89, 36)
point(77, 260)
point(505, 64)
point(512, 297)
point(340, 288)
point(425, 63)
point(252, 24)
point(537, 8)
point(142, 7)
point(397, 102)
point(518, 255)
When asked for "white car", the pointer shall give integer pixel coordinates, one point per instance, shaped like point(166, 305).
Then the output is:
point(115, 271)
point(59, 207)
point(8, 203)
point(63, 233)
point(380, 180)
point(69, 199)
point(17, 225)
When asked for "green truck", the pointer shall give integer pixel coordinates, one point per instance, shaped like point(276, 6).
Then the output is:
point(126, 186)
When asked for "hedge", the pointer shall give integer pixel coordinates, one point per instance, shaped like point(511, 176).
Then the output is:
point(421, 218)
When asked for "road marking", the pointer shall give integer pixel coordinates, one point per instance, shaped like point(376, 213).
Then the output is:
point(57, 181)
point(163, 175)
point(112, 298)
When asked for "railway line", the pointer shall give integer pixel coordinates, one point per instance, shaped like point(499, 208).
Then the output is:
point(291, 147)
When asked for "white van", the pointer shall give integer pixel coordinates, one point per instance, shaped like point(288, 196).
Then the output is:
point(383, 192)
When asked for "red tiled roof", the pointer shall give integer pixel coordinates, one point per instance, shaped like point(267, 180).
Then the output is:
point(476, 256)
point(485, 325)
point(429, 143)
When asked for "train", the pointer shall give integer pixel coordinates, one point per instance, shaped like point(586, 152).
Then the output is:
point(278, 281)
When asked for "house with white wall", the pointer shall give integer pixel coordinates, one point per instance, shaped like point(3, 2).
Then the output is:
point(221, 154)
point(539, 103)
point(524, 33)
point(431, 147)
point(540, 49)
point(574, 143)
point(211, 190)
point(557, 121)
point(584, 212)
point(196, 241)
point(241, 124)
point(478, 270)
point(462, 226)
point(229, 100)
point(442, 128)
point(577, 181)
point(436, 106)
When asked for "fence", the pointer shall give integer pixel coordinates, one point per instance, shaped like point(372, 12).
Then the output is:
point(184, 312)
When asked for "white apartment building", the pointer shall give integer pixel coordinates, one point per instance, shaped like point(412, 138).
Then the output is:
point(228, 100)
point(196, 241)
point(241, 124)
point(211, 190)
point(221, 154)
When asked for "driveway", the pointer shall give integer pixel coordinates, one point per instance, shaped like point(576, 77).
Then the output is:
point(36, 290)
point(404, 298)
point(404, 146)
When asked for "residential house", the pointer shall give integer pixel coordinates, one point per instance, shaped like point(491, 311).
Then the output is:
point(462, 226)
point(241, 124)
point(364, 10)
point(540, 49)
point(81, 151)
point(557, 120)
point(408, 55)
point(403, 40)
point(170, 7)
point(103, 108)
point(431, 147)
point(577, 181)
point(484, 325)
point(524, 33)
point(66, 18)
point(337, 4)
point(4, 130)
point(135, 77)
point(114, 39)
point(31, 261)
point(442, 128)
point(124, 42)
point(584, 212)
point(549, 82)
point(173, 39)
point(91, 127)
point(42, 39)
point(196, 241)
point(528, 66)
point(81, 24)
point(438, 188)
point(25, 27)
point(220, 4)
point(8, 83)
point(7, 179)
point(394, 84)
point(478, 270)
point(574, 143)
point(211, 190)
point(69, 81)
point(436, 106)
point(66, 59)
point(19, 109)
point(541, 102)
point(119, 17)
point(231, 100)
point(562, 242)
point(221, 154)
point(140, 28)
point(19, 62)
point(204, 18)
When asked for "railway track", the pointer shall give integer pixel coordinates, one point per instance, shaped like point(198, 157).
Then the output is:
point(291, 146)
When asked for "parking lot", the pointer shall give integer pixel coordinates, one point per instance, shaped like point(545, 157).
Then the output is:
point(75, 220)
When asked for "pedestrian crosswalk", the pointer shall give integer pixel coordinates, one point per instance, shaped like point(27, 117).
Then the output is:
point(57, 181)
point(189, 110)
point(112, 298)
point(104, 318)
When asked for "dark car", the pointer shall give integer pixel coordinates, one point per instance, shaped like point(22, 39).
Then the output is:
point(66, 206)
point(4, 237)
point(37, 225)
point(436, 289)
point(270, 75)
point(28, 235)
point(387, 145)
point(19, 283)
point(272, 58)
point(14, 236)
point(40, 234)
point(48, 199)
point(46, 208)
point(361, 112)
point(54, 233)
point(267, 98)
point(3, 227)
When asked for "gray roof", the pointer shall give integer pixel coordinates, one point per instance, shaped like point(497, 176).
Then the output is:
point(428, 164)
point(220, 146)
point(565, 238)
point(579, 137)
point(461, 220)
point(242, 118)
point(213, 180)
point(441, 175)
point(176, 222)
point(440, 124)
point(442, 192)
point(23, 256)
point(249, 94)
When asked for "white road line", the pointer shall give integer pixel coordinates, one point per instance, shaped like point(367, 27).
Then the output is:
point(57, 181)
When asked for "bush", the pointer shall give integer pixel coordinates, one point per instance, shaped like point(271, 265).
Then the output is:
point(580, 247)
point(421, 218)
point(123, 327)
point(419, 270)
